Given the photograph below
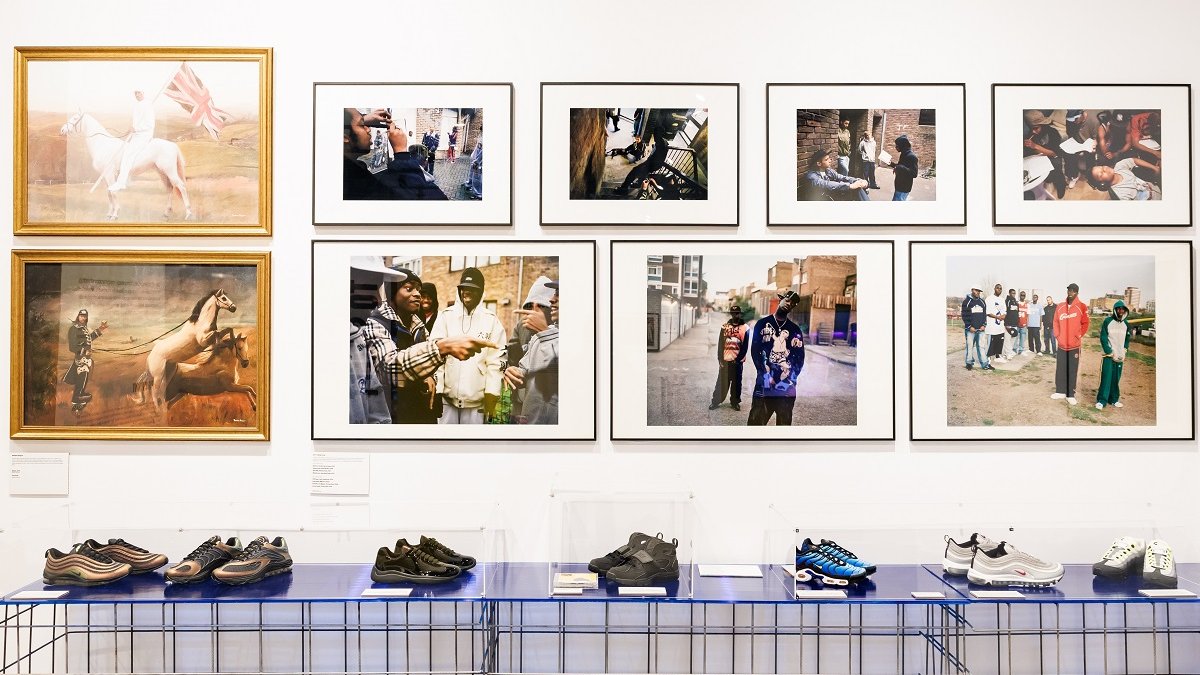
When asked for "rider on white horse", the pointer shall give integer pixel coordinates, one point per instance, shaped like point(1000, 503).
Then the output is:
point(140, 134)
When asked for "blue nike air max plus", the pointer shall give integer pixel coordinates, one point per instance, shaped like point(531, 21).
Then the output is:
point(829, 563)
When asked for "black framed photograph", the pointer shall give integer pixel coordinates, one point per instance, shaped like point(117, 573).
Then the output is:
point(674, 144)
point(412, 153)
point(870, 144)
point(745, 337)
point(1052, 340)
point(1092, 155)
point(454, 340)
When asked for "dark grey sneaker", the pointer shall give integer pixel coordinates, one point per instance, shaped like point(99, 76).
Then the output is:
point(603, 564)
point(410, 564)
point(656, 561)
point(444, 553)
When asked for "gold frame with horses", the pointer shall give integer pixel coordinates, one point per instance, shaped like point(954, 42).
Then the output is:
point(126, 287)
point(185, 135)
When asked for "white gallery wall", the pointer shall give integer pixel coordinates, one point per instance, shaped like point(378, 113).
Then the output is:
point(889, 501)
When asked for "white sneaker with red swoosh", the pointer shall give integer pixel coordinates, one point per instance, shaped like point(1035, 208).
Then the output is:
point(1006, 566)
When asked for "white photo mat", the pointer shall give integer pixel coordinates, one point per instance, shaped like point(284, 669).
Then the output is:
point(577, 342)
point(331, 98)
point(721, 207)
point(949, 205)
point(1173, 336)
point(1008, 107)
point(875, 351)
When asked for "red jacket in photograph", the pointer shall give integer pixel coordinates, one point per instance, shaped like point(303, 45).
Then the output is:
point(1070, 324)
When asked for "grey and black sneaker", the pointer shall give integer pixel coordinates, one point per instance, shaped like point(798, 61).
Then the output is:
point(200, 563)
point(957, 558)
point(603, 564)
point(657, 560)
point(81, 566)
point(259, 560)
point(411, 564)
point(444, 553)
point(1006, 566)
point(1158, 566)
point(139, 559)
point(1124, 556)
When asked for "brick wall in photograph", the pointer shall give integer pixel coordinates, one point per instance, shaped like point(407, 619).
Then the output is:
point(815, 129)
point(505, 283)
point(923, 136)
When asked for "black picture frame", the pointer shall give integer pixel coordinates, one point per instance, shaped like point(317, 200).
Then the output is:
point(773, 222)
point(771, 241)
point(1042, 223)
point(611, 223)
point(1041, 439)
point(588, 436)
point(511, 90)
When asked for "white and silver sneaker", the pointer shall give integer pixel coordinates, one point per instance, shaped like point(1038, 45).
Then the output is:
point(1124, 556)
point(957, 558)
point(1158, 567)
point(1006, 566)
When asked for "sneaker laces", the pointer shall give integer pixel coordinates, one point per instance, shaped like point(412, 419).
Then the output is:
point(122, 542)
point(1116, 550)
point(425, 557)
point(251, 550)
point(203, 552)
point(831, 547)
point(88, 551)
point(436, 545)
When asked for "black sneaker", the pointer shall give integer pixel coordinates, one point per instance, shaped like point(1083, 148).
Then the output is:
point(656, 561)
point(443, 553)
point(199, 564)
point(259, 560)
point(410, 564)
point(602, 565)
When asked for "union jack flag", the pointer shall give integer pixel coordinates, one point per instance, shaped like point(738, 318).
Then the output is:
point(189, 92)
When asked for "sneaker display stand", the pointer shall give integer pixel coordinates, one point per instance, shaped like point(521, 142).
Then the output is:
point(325, 615)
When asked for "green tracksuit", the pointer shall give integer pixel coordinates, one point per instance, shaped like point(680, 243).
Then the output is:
point(1114, 340)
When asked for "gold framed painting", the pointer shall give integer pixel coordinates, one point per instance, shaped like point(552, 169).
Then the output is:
point(142, 141)
point(140, 345)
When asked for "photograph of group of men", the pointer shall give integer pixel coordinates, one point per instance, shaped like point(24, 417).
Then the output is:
point(1116, 153)
point(454, 340)
point(846, 154)
point(1100, 344)
point(717, 334)
point(412, 154)
point(639, 153)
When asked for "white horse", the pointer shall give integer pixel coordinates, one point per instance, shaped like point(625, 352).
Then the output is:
point(198, 333)
point(215, 372)
point(105, 151)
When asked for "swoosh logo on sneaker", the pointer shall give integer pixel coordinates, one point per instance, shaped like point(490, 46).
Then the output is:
point(1021, 572)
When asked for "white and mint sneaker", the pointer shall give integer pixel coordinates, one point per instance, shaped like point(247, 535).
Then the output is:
point(1124, 556)
point(957, 558)
point(1158, 567)
point(1006, 566)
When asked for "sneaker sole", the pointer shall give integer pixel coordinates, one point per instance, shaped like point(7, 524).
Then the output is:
point(805, 574)
point(76, 581)
point(955, 569)
point(1010, 580)
point(250, 580)
point(1110, 573)
point(661, 576)
point(382, 577)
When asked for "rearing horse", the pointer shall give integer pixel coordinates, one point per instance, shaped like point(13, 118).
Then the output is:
point(198, 333)
point(105, 151)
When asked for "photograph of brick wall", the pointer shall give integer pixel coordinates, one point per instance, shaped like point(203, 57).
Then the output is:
point(442, 158)
point(871, 154)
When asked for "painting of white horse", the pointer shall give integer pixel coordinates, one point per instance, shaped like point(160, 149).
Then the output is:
point(107, 152)
point(115, 141)
point(175, 344)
